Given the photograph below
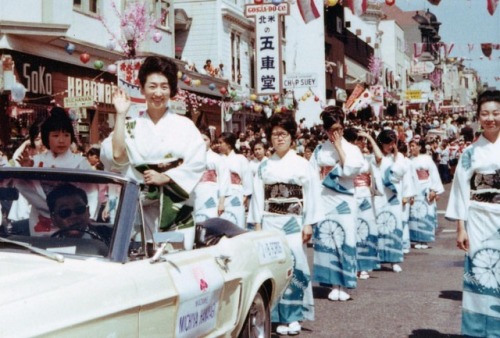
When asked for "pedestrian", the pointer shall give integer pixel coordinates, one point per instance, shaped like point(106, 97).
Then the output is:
point(444, 162)
point(241, 180)
point(210, 193)
point(475, 206)
point(285, 195)
point(388, 205)
point(149, 148)
point(335, 236)
point(423, 220)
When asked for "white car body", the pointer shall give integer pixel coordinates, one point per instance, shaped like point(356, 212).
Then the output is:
point(205, 292)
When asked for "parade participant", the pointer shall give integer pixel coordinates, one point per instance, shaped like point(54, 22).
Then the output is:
point(31, 147)
point(388, 205)
point(475, 205)
point(210, 193)
point(423, 220)
point(152, 146)
point(241, 180)
point(335, 236)
point(408, 191)
point(285, 195)
point(259, 152)
point(365, 188)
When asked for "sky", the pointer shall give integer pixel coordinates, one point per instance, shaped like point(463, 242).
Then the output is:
point(466, 22)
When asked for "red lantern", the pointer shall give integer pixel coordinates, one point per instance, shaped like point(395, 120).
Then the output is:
point(276, 97)
point(85, 57)
point(258, 2)
point(390, 2)
point(223, 90)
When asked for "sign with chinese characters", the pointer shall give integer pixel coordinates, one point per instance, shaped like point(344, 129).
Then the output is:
point(267, 45)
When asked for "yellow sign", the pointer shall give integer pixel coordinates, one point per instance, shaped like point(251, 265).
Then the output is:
point(413, 94)
point(78, 101)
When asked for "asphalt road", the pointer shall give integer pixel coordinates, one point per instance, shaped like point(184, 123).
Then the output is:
point(422, 301)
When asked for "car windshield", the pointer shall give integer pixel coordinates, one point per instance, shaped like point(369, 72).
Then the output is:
point(59, 211)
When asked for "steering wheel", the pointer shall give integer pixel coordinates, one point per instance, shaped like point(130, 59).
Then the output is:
point(61, 233)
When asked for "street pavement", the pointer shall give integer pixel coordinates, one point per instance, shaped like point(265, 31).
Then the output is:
point(422, 301)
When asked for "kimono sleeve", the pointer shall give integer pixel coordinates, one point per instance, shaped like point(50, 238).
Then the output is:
point(354, 160)
point(246, 176)
point(194, 158)
point(313, 211)
point(256, 209)
point(223, 177)
point(458, 203)
point(436, 184)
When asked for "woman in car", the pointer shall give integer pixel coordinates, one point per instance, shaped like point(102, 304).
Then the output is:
point(475, 206)
point(284, 199)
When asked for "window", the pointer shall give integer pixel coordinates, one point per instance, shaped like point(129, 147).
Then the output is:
point(235, 58)
point(87, 6)
point(162, 10)
point(340, 69)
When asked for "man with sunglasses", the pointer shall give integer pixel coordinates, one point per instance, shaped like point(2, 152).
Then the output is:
point(69, 212)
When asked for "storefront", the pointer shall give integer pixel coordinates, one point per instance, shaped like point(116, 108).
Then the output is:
point(85, 93)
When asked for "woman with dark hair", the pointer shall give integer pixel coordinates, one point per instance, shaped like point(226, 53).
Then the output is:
point(423, 219)
point(388, 205)
point(30, 147)
point(475, 205)
point(335, 236)
point(241, 180)
point(159, 148)
point(285, 195)
point(211, 192)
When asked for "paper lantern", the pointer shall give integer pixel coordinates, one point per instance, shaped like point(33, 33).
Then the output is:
point(98, 64)
point(258, 2)
point(277, 110)
point(183, 77)
point(196, 83)
point(257, 108)
point(253, 97)
point(17, 92)
point(331, 3)
point(223, 90)
point(111, 68)
point(212, 86)
point(187, 80)
point(157, 37)
point(70, 48)
point(316, 98)
point(390, 2)
point(277, 2)
point(111, 45)
point(276, 97)
point(179, 74)
point(85, 57)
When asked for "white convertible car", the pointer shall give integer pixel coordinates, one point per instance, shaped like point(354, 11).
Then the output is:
point(105, 279)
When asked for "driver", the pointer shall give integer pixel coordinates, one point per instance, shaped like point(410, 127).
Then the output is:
point(69, 212)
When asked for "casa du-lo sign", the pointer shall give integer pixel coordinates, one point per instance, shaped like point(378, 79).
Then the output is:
point(267, 22)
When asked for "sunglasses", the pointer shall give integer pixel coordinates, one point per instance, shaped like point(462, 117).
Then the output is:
point(65, 213)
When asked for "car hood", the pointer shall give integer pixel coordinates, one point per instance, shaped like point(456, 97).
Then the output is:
point(38, 290)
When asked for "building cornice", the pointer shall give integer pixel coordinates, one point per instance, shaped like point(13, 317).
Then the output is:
point(237, 18)
point(31, 28)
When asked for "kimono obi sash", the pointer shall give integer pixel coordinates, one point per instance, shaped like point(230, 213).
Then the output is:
point(325, 171)
point(422, 174)
point(209, 176)
point(235, 178)
point(363, 180)
point(486, 187)
point(282, 198)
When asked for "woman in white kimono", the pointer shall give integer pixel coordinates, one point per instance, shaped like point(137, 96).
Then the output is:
point(365, 187)
point(423, 220)
point(335, 263)
point(475, 204)
point(210, 193)
point(241, 181)
point(388, 205)
point(160, 149)
point(284, 199)
point(408, 191)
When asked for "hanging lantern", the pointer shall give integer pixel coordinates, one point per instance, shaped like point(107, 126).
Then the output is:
point(223, 90)
point(212, 86)
point(276, 2)
point(390, 2)
point(258, 2)
point(331, 3)
point(85, 57)
point(112, 68)
point(253, 97)
point(111, 45)
point(157, 37)
point(70, 48)
point(257, 108)
point(98, 64)
point(179, 74)
point(17, 92)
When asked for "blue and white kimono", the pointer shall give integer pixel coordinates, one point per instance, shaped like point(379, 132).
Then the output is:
point(479, 207)
point(297, 302)
point(334, 237)
point(423, 214)
point(389, 208)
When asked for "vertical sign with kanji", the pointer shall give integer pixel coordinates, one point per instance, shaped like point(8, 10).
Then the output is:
point(267, 45)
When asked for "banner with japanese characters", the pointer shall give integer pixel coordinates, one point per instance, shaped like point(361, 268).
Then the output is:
point(268, 72)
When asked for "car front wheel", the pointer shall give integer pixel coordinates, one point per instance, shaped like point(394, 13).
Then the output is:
point(258, 321)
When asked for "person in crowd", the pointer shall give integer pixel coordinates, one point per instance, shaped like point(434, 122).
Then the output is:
point(334, 237)
point(474, 205)
point(444, 162)
point(388, 205)
point(210, 193)
point(309, 150)
point(31, 146)
point(69, 213)
point(423, 220)
point(467, 132)
point(285, 192)
point(259, 154)
point(365, 187)
point(150, 145)
point(241, 142)
point(241, 180)
point(408, 191)
point(93, 156)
